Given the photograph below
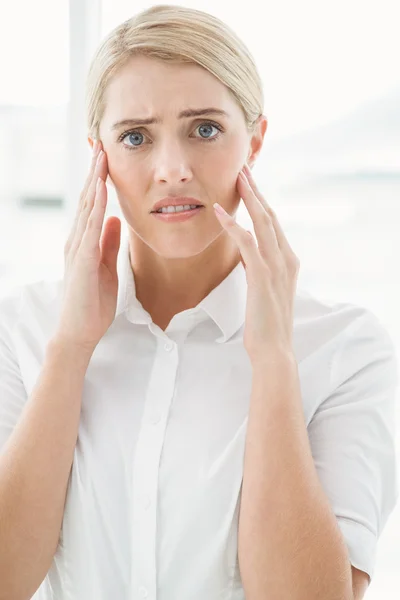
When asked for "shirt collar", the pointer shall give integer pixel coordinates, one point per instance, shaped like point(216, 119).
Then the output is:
point(225, 304)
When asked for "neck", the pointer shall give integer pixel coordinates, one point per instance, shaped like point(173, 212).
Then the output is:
point(166, 286)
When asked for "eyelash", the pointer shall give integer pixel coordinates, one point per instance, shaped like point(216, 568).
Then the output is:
point(130, 131)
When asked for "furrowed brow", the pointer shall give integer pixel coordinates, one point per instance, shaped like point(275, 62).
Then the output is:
point(189, 113)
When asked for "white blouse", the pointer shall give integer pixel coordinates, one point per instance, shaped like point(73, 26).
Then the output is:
point(153, 496)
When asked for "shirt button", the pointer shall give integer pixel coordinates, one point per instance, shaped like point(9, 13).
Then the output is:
point(155, 419)
point(143, 592)
point(168, 346)
point(146, 502)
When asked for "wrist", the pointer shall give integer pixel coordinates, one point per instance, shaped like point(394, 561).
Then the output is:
point(60, 343)
point(274, 357)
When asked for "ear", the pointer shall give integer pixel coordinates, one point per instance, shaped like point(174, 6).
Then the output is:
point(257, 139)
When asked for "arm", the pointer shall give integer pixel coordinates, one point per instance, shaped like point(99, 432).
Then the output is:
point(360, 581)
point(311, 498)
point(290, 546)
point(35, 464)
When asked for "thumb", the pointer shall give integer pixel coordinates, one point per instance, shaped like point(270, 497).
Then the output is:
point(110, 244)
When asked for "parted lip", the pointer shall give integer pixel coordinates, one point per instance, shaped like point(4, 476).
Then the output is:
point(175, 201)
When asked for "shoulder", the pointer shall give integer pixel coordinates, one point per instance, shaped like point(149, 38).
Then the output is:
point(339, 327)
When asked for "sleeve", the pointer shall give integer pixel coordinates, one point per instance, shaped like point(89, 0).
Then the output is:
point(353, 438)
point(13, 395)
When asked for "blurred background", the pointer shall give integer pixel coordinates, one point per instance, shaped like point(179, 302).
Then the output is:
point(330, 166)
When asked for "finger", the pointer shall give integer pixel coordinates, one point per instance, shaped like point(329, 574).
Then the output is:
point(91, 236)
point(97, 147)
point(244, 240)
point(110, 244)
point(100, 171)
point(280, 235)
point(89, 179)
point(263, 225)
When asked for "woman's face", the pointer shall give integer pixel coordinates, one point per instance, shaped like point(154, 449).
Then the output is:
point(196, 156)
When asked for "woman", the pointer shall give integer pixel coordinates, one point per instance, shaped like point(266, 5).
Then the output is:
point(177, 421)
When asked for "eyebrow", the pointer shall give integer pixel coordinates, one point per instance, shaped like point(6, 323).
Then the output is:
point(190, 112)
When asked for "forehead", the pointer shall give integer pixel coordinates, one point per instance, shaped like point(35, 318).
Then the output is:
point(146, 87)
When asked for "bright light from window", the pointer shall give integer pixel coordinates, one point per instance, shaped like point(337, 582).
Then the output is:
point(34, 52)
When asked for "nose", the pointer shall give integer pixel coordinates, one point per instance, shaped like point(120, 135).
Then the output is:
point(171, 164)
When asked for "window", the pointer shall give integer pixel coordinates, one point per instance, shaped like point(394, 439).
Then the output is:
point(33, 108)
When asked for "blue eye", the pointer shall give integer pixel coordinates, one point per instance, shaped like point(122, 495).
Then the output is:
point(205, 125)
point(136, 133)
point(133, 134)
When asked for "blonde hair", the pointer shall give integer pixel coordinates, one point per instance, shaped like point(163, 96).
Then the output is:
point(181, 35)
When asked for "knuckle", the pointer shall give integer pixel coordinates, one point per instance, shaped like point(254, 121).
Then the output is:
point(230, 224)
point(248, 239)
point(92, 221)
point(265, 216)
point(86, 204)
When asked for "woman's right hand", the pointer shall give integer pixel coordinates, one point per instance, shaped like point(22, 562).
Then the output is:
point(90, 287)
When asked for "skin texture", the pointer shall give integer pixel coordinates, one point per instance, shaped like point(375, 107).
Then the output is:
point(175, 265)
point(361, 582)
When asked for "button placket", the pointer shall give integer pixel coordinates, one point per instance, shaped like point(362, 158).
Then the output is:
point(145, 468)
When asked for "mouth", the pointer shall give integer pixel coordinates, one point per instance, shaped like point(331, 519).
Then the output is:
point(172, 209)
point(170, 203)
point(177, 216)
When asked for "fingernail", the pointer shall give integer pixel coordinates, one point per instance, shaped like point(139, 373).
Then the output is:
point(219, 209)
point(100, 156)
point(95, 147)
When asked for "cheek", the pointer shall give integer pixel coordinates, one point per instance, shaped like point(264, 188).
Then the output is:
point(222, 171)
point(124, 173)
point(230, 158)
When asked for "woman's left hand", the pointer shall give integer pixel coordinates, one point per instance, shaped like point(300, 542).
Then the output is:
point(271, 271)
